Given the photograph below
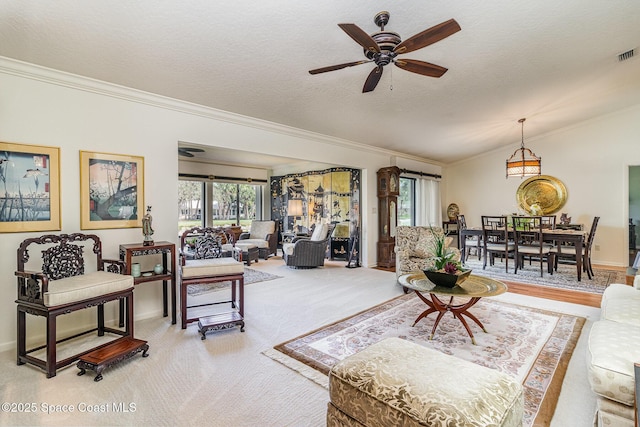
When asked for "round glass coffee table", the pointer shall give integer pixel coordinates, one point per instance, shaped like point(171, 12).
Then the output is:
point(474, 288)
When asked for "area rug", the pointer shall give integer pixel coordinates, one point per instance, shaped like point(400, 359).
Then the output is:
point(565, 278)
point(529, 344)
point(250, 276)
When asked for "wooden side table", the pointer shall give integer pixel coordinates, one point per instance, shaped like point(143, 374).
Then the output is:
point(166, 249)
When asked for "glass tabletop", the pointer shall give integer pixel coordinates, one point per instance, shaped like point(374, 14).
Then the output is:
point(474, 286)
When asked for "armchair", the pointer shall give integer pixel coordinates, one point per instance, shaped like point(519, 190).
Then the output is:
point(264, 235)
point(308, 252)
point(414, 248)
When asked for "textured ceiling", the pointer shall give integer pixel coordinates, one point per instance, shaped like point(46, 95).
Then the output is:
point(553, 62)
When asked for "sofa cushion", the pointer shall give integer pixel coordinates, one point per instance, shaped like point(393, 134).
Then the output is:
point(211, 267)
point(85, 286)
point(612, 351)
point(624, 310)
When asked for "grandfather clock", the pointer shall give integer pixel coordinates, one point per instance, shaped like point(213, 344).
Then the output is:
point(388, 191)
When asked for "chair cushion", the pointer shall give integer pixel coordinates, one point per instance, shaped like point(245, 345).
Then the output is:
point(287, 248)
point(85, 286)
point(260, 243)
point(260, 229)
point(613, 349)
point(320, 232)
point(500, 246)
point(396, 382)
point(245, 246)
point(211, 267)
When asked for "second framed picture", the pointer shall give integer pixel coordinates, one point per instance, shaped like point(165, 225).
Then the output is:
point(111, 190)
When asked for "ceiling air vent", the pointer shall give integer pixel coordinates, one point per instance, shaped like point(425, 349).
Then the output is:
point(626, 55)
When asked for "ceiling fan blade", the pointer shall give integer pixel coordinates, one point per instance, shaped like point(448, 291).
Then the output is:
point(372, 80)
point(421, 67)
point(428, 36)
point(336, 67)
point(362, 38)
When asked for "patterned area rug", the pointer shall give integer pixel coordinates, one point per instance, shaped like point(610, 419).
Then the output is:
point(529, 344)
point(250, 276)
point(565, 278)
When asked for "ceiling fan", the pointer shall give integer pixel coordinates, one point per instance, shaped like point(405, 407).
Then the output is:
point(187, 151)
point(383, 47)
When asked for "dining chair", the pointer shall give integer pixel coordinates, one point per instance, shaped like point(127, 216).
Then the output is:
point(528, 241)
point(569, 252)
point(495, 236)
point(548, 221)
point(470, 242)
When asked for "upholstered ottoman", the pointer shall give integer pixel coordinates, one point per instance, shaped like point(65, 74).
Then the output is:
point(399, 383)
point(249, 251)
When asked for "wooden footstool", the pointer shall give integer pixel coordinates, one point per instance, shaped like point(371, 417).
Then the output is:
point(396, 382)
point(116, 352)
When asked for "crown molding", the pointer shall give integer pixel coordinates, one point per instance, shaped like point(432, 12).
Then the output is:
point(61, 78)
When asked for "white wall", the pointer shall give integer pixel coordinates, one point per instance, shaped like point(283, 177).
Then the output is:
point(46, 107)
point(592, 161)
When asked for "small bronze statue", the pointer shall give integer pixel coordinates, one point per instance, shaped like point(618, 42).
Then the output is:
point(147, 231)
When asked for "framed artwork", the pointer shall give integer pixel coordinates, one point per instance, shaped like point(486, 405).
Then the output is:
point(111, 191)
point(29, 188)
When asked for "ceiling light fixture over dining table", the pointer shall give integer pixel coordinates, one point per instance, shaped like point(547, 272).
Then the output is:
point(523, 162)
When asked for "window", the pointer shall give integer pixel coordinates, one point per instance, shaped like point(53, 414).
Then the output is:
point(218, 203)
point(235, 203)
point(406, 201)
point(190, 199)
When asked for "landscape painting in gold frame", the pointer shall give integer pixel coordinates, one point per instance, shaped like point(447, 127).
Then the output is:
point(111, 190)
point(29, 188)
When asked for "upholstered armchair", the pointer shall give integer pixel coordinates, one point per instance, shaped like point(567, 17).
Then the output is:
point(308, 252)
point(264, 235)
point(414, 248)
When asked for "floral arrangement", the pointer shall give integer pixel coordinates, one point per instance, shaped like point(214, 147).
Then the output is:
point(443, 257)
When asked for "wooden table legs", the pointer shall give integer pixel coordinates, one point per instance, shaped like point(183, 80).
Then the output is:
point(458, 310)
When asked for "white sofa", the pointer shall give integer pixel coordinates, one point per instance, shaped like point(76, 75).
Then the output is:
point(614, 347)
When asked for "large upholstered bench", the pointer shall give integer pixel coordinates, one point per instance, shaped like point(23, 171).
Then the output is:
point(55, 278)
point(398, 383)
point(614, 347)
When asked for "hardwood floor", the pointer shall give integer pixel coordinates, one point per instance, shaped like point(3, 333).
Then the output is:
point(556, 294)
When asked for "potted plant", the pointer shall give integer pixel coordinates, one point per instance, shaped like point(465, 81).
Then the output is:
point(447, 270)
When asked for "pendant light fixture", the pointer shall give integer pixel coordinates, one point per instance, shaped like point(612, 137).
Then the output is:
point(523, 162)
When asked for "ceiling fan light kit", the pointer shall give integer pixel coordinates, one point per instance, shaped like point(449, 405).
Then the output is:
point(188, 151)
point(383, 47)
point(523, 162)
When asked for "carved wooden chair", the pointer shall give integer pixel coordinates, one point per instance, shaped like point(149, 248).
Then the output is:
point(62, 281)
point(204, 260)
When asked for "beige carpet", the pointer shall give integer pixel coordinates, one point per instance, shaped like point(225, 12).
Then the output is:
point(225, 380)
point(531, 345)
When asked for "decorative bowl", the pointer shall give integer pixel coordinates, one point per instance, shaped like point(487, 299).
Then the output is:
point(447, 280)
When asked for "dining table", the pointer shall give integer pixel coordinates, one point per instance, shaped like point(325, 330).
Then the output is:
point(559, 236)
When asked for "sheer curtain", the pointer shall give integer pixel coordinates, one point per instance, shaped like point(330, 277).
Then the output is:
point(428, 211)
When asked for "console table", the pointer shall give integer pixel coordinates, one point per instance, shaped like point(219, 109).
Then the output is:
point(166, 249)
